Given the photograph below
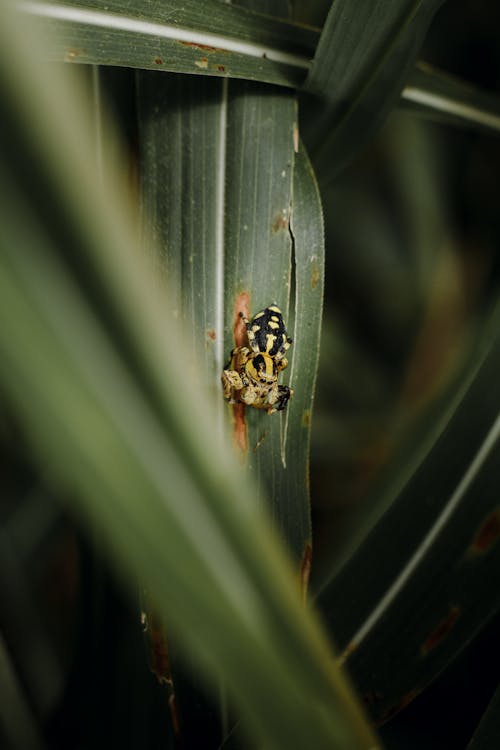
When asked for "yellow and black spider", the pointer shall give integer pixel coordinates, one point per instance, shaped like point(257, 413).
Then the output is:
point(251, 375)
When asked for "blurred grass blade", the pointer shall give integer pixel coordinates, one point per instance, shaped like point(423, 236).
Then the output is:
point(487, 735)
point(211, 38)
point(365, 53)
point(181, 129)
point(444, 98)
point(18, 728)
point(444, 558)
point(97, 373)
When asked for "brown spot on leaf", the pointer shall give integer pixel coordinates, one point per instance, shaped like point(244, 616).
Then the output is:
point(221, 68)
point(211, 334)
point(204, 47)
point(306, 418)
point(158, 61)
point(305, 570)
point(280, 224)
point(240, 427)
point(440, 632)
point(487, 534)
point(260, 441)
point(159, 657)
point(241, 305)
point(315, 275)
point(175, 718)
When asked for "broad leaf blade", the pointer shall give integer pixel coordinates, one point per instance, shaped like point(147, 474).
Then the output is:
point(213, 38)
point(218, 195)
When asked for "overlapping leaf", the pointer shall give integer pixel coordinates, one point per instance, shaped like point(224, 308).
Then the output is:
point(213, 38)
point(444, 98)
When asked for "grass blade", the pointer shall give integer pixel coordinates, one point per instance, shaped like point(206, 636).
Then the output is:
point(218, 199)
point(215, 38)
point(444, 98)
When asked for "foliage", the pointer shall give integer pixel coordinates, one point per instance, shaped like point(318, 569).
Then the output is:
point(128, 251)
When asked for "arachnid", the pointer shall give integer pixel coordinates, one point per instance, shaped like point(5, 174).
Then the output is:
point(251, 375)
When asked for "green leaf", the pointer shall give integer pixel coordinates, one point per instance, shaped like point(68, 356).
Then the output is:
point(308, 242)
point(258, 271)
point(445, 98)
point(218, 196)
point(413, 604)
point(98, 374)
point(487, 735)
point(212, 38)
point(364, 56)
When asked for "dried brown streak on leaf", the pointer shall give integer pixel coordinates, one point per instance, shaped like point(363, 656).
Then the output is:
point(315, 275)
point(441, 631)
point(240, 427)
point(280, 223)
point(242, 305)
point(260, 441)
point(305, 570)
point(205, 47)
point(175, 718)
point(487, 535)
point(240, 433)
